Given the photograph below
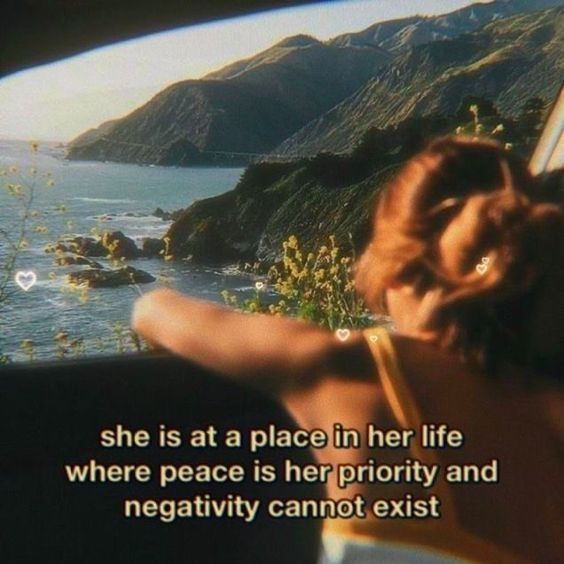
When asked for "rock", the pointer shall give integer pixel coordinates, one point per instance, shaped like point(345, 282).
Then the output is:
point(119, 246)
point(152, 247)
point(69, 260)
point(115, 244)
point(167, 216)
point(110, 278)
point(56, 247)
point(84, 246)
point(90, 247)
point(174, 215)
point(226, 228)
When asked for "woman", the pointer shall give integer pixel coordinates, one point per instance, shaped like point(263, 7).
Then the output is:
point(464, 258)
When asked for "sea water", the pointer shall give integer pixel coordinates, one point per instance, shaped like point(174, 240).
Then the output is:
point(103, 197)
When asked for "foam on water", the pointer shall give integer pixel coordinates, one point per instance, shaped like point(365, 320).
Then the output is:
point(106, 200)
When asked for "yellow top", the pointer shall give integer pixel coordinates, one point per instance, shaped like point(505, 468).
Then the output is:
point(444, 535)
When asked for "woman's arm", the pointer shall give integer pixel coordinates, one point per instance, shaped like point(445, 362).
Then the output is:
point(274, 354)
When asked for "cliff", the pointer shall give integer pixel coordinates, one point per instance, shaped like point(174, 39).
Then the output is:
point(310, 198)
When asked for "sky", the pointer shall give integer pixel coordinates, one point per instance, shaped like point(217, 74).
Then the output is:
point(58, 101)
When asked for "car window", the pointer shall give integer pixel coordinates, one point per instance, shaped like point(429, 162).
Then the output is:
point(238, 160)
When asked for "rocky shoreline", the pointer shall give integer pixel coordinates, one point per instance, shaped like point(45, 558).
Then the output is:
point(80, 251)
point(102, 278)
point(311, 198)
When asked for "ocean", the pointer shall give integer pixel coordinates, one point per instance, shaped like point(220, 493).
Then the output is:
point(104, 197)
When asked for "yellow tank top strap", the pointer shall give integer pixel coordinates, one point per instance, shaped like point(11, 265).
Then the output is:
point(397, 393)
point(443, 536)
point(405, 410)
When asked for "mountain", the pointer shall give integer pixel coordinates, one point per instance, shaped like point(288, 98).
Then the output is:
point(303, 95)
point(247, 107)
point(324, 196)
point(95, 133)
point(508, 61)
point(399, 35)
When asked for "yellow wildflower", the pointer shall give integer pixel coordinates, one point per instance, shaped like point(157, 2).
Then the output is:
point(292, 242)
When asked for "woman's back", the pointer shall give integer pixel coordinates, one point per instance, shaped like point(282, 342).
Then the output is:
point(510, 429)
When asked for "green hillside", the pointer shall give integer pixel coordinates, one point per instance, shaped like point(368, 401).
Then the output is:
point(250, 109)
point(507, 61)
point(303, 95)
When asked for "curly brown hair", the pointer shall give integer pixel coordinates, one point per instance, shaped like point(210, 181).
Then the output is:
point(464, 225)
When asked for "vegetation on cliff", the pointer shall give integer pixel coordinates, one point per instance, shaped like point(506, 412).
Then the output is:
point(328, 195)
point(315, 286)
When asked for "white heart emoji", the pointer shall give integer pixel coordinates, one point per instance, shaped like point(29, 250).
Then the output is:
point(259, 285)
point(25, 279)
point(481, 268)
point(343, 334)
point(485, 260)
point(373, 338)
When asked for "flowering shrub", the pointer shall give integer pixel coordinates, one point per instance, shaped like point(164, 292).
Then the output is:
point(314, 286)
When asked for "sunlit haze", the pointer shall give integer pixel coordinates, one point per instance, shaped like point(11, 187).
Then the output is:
point(61, 100)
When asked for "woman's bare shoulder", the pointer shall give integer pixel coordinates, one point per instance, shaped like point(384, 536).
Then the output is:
point(347, 391)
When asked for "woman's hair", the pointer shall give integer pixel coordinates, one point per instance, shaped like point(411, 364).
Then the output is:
point(463, 225)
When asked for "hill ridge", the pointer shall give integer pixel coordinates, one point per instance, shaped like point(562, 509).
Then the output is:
point(497, 61)
point(282, 97)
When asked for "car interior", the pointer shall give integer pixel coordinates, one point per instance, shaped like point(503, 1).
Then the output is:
point(51, 412)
